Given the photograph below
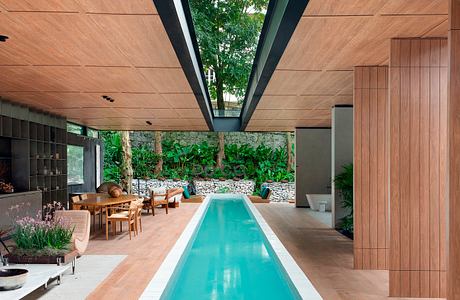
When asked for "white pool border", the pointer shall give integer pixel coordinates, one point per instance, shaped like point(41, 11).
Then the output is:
point(158, 284)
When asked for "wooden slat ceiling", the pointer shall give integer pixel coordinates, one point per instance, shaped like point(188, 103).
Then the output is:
point(63, 55)
point(333, 36)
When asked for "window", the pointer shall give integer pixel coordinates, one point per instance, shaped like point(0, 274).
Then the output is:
point(92, 133)
point(75, 158)
point(74, 128)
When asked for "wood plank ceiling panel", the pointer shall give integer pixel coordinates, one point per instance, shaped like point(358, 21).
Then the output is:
point(62, 56)
point(118, 7)
point(41, 5)
point(332, 37)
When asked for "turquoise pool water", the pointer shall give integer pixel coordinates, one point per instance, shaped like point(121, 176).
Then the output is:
point(229, 258)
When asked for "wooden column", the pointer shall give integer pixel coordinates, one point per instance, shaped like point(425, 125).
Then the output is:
point(418, 167)
point(454, 146)
point(371, 168)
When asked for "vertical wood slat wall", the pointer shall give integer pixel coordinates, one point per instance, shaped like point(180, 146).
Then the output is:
point(454, 144)
point(371, 245)
point(418, 167)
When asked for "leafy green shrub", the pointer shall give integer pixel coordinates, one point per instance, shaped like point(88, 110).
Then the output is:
point(144, 161)
point(344, 183)
point(112, 155)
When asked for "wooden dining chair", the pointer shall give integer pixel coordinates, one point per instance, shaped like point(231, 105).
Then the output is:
point(140, 205)
point(74, 200)
point(122, 214)
point(93, 211)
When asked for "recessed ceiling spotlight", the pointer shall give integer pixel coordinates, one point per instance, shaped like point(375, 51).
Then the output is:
point(110, 99)
point(148, 122)
point(3, 38)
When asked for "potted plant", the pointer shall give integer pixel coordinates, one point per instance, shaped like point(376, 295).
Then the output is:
point(42, 241)
point(344, 183)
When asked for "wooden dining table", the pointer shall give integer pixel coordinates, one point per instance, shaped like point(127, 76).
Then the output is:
point(97, 200)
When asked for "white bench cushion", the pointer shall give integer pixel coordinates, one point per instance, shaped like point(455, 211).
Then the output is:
point(158, 191)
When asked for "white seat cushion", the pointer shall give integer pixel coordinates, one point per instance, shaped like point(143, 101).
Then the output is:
point(175, 198)
point(158, 191)
point(121, 214)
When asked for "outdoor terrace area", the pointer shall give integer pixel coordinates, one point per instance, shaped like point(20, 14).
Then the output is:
point(323, 254)
point(253, 149)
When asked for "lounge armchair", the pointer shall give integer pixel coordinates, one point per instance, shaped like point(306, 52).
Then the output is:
point(175, 196)
point(259, 198)
point(81, 219)
point(158, 196)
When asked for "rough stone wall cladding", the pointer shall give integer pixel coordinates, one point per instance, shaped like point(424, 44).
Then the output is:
point(273, 140)
point(281, 192)
point(228, 186)
point(141, 186)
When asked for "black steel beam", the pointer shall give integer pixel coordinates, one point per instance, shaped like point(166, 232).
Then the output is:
point(227, 124)
point(177, 21)
point(279, 25)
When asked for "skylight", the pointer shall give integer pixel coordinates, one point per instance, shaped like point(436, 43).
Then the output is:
point(227, 34)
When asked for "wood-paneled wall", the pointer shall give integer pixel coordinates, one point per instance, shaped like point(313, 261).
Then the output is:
point(418, 167)
point(371, 167)
point(454, 153)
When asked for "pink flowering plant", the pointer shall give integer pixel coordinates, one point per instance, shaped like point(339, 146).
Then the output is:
point(42, 236)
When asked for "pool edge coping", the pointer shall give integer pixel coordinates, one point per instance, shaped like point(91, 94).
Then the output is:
point(159, 282)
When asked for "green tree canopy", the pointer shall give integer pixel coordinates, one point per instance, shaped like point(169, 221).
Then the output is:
point(227, 33)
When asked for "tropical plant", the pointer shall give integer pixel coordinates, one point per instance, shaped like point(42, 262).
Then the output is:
point(144, 162)
point(199, 160)
point(227, 34)
point(112, 155)
point(344, 183)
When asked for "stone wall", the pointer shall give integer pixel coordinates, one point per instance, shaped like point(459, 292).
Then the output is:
point(281, 192)
point(203, 187)
point(273, 140)
point(141, 186)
